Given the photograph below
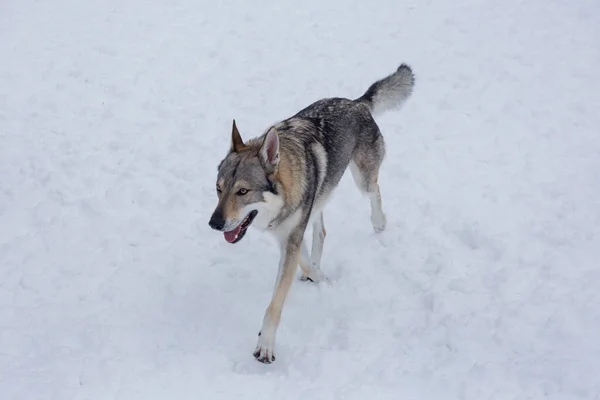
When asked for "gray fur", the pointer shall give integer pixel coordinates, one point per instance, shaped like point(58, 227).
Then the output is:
point(390, 92)
point(290, 171)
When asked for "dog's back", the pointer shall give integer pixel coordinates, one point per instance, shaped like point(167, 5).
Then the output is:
point(327, 134)
point(337, 132)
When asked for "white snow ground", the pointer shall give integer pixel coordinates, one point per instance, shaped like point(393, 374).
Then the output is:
point(114, 115)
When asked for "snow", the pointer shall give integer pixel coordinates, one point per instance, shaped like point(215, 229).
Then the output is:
point(114, 115)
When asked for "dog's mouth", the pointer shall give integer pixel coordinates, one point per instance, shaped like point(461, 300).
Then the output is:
point(238, 233)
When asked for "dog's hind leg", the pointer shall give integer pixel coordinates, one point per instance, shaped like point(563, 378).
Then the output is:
point(378, 218)
point(365, 166)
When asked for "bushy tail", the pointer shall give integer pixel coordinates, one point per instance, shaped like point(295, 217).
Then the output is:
point(390, 92)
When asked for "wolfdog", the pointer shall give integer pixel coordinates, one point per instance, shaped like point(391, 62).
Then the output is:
point(280, 181)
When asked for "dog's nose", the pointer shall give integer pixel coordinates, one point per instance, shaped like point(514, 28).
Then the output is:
point(217, 222)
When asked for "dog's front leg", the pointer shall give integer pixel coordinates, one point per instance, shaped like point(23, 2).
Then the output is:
point(290, 252)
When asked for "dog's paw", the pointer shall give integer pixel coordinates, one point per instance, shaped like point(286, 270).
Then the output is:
point(316, 277)
point(379, 222)
point(265, 350)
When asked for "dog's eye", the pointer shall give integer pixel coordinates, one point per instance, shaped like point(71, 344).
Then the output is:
point(218, 189)
point(242, 192)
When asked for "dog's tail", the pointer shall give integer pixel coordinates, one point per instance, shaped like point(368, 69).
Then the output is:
point(390, 92)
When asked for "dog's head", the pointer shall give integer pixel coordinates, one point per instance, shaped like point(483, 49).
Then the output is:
point(246, 185)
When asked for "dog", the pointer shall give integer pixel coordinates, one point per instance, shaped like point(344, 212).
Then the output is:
point(281, 181)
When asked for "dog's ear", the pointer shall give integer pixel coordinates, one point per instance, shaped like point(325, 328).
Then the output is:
point(237, 144)
point(269, 151)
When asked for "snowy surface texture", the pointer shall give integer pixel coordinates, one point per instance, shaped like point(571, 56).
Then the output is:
point(114, 115)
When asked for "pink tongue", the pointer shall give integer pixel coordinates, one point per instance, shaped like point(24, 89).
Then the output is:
point(232, 235)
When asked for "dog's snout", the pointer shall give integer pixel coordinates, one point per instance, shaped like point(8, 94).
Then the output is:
point(216, 221)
